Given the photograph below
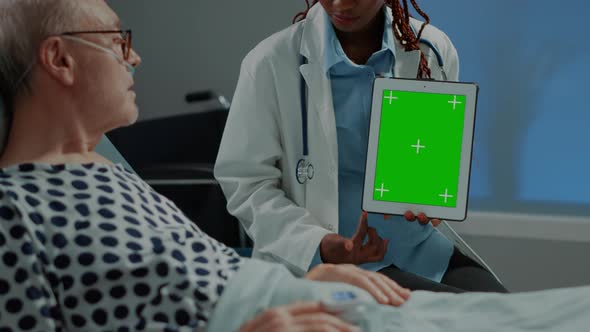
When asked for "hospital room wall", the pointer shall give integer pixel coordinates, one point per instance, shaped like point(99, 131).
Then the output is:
point(189, 45)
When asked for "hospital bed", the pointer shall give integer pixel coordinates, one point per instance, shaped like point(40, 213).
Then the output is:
point(269, 285)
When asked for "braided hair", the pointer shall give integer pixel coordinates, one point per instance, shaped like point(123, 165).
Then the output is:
point(401, 28)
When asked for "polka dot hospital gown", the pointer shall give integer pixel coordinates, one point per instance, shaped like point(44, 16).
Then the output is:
point(93, 248)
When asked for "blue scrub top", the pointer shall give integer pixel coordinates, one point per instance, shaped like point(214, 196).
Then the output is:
point(413, 247)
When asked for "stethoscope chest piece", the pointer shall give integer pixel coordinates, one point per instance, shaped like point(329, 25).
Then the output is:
point(304, 171)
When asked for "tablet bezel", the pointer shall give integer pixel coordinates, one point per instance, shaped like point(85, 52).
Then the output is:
point(470, 91)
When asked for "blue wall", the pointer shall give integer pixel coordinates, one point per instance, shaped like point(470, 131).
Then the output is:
point(532, 62)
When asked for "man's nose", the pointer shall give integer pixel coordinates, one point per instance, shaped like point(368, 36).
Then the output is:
point(134, 59)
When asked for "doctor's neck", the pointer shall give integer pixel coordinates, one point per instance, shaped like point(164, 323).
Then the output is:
point(359, 45)
point(401, 27)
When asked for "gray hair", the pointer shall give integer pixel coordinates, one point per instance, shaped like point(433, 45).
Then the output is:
point(24, 24)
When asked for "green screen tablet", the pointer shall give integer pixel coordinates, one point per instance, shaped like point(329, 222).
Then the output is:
point(420, 143)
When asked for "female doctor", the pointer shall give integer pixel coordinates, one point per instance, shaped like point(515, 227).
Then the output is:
point(303, 98)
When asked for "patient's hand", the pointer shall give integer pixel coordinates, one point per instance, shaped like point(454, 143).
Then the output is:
point(383, 289)
point(298, 317)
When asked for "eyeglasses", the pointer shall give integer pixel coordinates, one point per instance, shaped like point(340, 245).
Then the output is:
point(125, 40)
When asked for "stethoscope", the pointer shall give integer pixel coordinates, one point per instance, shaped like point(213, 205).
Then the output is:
point(305, 170)
point(304, 167)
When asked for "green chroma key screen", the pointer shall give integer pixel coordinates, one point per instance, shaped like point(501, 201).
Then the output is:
point(419, 149)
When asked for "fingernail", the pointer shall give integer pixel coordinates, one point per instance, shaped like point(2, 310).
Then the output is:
point(348, 246)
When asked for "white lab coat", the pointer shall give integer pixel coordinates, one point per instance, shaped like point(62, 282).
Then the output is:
point(262, 141)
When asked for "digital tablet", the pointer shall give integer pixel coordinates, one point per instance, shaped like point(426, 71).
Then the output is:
point(420, 143)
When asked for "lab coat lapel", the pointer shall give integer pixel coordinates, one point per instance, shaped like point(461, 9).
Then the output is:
point(319, 89)
point(319, 93)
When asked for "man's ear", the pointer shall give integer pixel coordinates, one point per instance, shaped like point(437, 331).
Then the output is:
point(56, 61)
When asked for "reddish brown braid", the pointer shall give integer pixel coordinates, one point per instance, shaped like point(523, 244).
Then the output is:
point(404, 33)
point(301, 15)
point(401, 28)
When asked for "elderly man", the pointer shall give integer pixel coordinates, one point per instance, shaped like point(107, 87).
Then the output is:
point(66, 78)
point(87, 245)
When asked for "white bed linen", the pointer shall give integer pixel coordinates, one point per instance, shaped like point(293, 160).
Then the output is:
point(260, 285)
